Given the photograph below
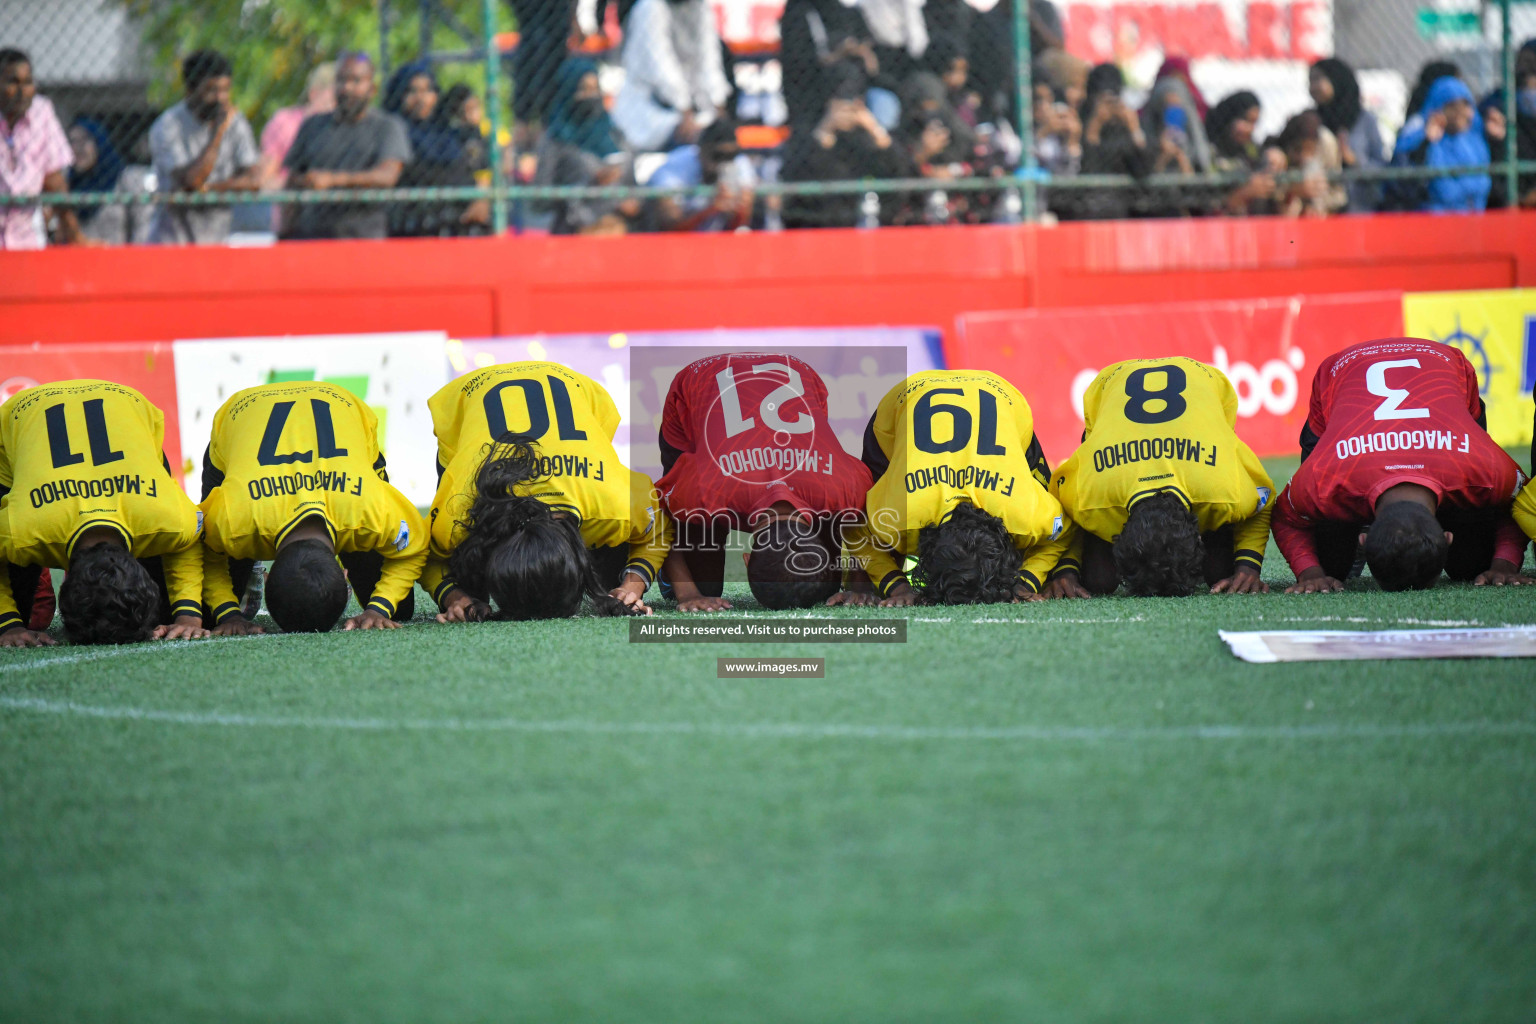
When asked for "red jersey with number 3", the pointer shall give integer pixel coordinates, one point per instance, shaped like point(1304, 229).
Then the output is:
point(1395, 411)
point(753, 430)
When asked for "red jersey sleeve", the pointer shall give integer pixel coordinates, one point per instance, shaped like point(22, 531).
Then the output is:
point(1293, 535)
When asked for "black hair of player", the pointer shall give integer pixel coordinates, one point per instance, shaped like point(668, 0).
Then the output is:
point(1159, 552)
point(108, 597)
point(516, 553)
point(969, 558)
point(201, 65)
point(1406, 547)
point(793, 565)
point(306, 589)
point(10, 55)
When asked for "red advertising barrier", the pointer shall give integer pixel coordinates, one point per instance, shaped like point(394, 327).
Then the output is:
point(526, 285)
point(1268, 347)
point(147, 368)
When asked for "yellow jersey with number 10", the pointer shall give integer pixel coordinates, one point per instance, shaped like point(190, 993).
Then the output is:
point(78, 454)
point(291, 450)
point(1160, 425)
point(953, 437)
point(570, 420)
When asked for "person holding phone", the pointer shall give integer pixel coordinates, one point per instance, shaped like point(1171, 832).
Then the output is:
point(202, 144)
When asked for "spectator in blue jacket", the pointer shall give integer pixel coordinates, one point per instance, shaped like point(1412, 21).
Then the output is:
point(1451, 136)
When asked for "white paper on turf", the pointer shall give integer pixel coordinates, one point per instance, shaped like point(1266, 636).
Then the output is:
point(1267, 646)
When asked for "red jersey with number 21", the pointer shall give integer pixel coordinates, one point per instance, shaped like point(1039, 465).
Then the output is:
point(1399, 410)
point(753, 430)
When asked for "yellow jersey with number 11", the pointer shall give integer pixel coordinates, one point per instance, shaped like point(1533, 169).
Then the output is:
point(78, 454)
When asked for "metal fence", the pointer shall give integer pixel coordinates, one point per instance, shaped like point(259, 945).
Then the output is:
point(231, 121)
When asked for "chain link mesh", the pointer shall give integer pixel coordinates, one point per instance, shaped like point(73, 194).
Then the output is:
point(327, 118)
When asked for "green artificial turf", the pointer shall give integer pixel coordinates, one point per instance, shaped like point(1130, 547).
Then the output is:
point(1017, 815)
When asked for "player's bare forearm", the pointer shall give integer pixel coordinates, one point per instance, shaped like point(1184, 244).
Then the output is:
point(685, 591)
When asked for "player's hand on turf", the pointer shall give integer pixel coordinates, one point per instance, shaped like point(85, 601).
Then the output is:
point(1243, 581)
point(704, 604)
point(371, 619)
point(1503, 573)
point(1067, 585)
point(852, 599)
point(460, 607)
point(631, 597)
point(237, 625)
point(1314, 581)
point(901, 596)
point(1022, 594)
point(23, 637)
point(185, 627)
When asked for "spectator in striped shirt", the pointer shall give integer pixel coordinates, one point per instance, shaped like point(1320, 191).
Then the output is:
point(34, 155)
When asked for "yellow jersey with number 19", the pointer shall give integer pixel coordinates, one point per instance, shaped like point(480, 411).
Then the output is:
point(1158, 425)
point(78, 454)
point(283, 452)
point(570, 420)
point(953, 437)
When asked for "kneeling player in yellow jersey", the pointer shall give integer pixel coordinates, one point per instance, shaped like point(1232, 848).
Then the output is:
point(84, 486)
point(534, 512)
point(1164, 495)
point(293, 473)
point(959, 482)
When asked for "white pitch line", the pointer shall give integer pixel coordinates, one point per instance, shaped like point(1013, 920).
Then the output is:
point(150, 647)
point(778, 730)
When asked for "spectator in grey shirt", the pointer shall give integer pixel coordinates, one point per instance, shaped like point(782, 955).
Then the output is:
point(202, 144)
point(353, 146)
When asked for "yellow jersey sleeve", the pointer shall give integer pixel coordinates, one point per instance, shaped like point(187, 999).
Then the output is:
point(877, 561)
point(218, 590)
point(1525, 509)
point(650, 529)
point(400, 536)
point(1250, 536)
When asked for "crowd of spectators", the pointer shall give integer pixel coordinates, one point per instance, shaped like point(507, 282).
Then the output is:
point(918, 90)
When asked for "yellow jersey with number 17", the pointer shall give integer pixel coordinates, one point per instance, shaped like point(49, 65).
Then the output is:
point(953, 437)
point(570, 420)
point(1154, 426)
point(283, 452)
point(78, 454)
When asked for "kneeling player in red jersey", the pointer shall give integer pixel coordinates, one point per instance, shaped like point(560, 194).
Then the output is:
point(1396, 459)
point(746, 445)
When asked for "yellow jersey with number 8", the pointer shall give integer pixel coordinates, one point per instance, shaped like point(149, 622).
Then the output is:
point(1165, 425)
